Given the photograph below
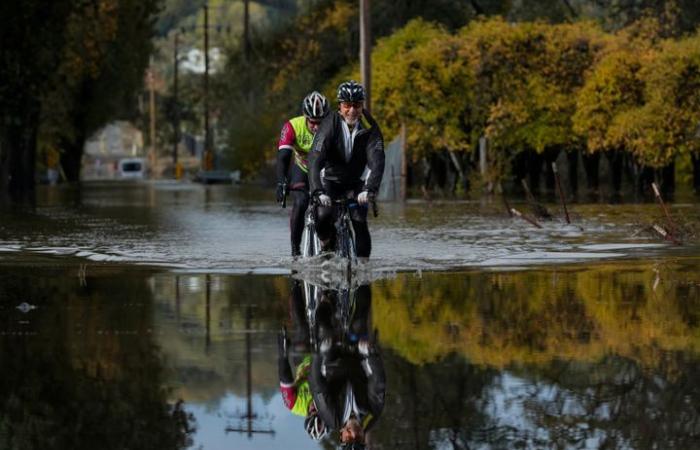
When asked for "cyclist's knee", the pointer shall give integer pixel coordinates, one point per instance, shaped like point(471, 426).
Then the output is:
point(301, 199)
point(363, 240)
point(359, 214)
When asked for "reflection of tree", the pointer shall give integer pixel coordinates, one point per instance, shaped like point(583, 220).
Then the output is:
point(86, 373)
point(614, 404)
point(582, 314)
point(433, 404)
point(208, 376)
point(596, 357)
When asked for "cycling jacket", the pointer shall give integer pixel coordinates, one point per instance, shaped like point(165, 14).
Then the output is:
point(297, 395)
point(296, 136)
point(329, 154)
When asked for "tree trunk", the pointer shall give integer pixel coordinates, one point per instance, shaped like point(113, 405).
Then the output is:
point(696, 172)
point(550, 156)
point(615, 159)
point(71, 159)
point(18, 157)
point(645, 176)
point(572, 159)
point(534, 168)
point(519, 169)
point(667, 179)
point(591, 163)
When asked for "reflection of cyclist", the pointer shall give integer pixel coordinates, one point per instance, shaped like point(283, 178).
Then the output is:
point(297, 308)
point(346, 143)
point(296, 137)
point(347, 381)
point(296, 393)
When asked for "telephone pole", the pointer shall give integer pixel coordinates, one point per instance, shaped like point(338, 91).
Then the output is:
point(246, 30)
point(249, 415)
point(176, 106)
point(366, 51)
point(152, 113)
point(206, 157)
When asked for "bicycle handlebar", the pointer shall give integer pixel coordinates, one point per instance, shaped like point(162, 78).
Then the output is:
point(344, 201)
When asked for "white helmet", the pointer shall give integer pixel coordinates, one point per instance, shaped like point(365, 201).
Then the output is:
point(315, 427)
point(315, 105)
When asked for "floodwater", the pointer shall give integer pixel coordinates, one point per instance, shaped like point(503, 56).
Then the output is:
point(145, 316)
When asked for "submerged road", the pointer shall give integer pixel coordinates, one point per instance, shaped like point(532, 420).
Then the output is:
point(234, 229)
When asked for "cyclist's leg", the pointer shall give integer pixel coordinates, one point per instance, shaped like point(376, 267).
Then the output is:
point(297, 310)
point(299, 187)
point(325, 228)
point(359, 326)
point(363, 241)
point(324, 321)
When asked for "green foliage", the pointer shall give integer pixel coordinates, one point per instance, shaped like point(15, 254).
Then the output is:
point(642, 96)
point(418, 70)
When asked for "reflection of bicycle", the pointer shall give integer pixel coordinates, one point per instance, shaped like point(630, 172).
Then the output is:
point(334, 310)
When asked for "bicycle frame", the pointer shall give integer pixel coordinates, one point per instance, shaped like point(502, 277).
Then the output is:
point(310, 244)
point(345, 233)
point(344, 308)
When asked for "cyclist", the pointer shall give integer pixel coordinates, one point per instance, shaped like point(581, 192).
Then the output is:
point(295, 390)
point(296, 138)
point(346, 142)
point(348, 383)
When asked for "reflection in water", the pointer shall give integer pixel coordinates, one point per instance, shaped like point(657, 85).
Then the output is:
point(600, 357)
point(340, 383)
point(81, 370)
point(111, 356)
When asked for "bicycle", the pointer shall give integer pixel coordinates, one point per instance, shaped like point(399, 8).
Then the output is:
point(343, 306)
point(310, 244)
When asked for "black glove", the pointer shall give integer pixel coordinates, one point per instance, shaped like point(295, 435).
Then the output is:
point(281, 191)
point(283, 343)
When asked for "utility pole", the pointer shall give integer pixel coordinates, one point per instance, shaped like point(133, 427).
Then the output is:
point(249, 415)
point(176, 107)
point(206, 157)
point(152, 112)
point(207, 299)
point(246, 30)
point(366, 51)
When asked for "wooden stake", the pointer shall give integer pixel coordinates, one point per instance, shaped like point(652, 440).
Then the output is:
point(671, 225)
point(507, 205)
point(526, 218)
point(665, 234)
point(537, 209)
point(561, 192)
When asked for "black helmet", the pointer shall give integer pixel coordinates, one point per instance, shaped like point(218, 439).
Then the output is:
point(351, 91)
point(352, 446)
point(315, 106)
point(315, 427)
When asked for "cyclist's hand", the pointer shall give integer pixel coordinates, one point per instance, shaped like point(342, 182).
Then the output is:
point(363, 198)
point(281, 188)
point(363, 347)
point(324, 200)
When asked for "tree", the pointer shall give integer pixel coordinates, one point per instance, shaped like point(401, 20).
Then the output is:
point(30, 41)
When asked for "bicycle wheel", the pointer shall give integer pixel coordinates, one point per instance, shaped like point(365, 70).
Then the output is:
point(310, 244)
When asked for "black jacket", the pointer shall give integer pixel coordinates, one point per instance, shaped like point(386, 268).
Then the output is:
point(328, 152)
point(368, 382)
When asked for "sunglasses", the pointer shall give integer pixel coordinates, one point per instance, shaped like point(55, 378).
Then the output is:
point(313, 122)
point(348, 105)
